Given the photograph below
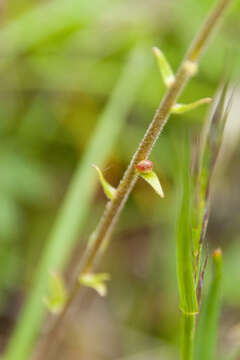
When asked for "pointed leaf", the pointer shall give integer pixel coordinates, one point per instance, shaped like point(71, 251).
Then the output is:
point(57, 296)
point(182, 108)
point(96, 282)
point(152, 178)
point(108, 189)
point(164, 67)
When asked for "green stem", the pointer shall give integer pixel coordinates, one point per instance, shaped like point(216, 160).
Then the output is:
point(188, 330)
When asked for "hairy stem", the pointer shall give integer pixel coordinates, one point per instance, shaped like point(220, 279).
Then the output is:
point(113, 207)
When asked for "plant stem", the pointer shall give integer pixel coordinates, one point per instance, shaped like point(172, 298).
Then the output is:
point(113, 207)
point(188, 329)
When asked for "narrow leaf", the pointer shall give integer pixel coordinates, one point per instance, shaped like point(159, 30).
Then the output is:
point(210, 145)
point(215, 129)
point(185, 270)
point(164, 67)
point(96, 282)
point(182, 108)
point(206, 338)
point(75, 207)
point(57, 296)
point(152, 178)
point(108, 189)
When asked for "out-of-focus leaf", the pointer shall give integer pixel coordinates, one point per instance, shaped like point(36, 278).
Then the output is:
point(10, 218)
point(22, 178)
point(57, 296)
point(231, 273)
point(45, 20)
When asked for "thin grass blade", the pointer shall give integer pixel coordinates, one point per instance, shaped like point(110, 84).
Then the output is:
point(206, 336)
point(73, 212)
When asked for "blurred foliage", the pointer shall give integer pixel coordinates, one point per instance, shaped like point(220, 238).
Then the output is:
point(59, 63)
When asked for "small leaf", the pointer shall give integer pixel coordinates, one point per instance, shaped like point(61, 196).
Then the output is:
point(108, 189)
point(96, 282)
point(152, 179)
point(181, 108)
point(164, 67)
point(57, 296)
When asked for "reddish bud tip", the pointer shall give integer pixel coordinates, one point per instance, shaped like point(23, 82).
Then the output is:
point(144, 166)
point(217, 254)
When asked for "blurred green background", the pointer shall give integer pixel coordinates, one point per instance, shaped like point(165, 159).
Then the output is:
point(60, 62)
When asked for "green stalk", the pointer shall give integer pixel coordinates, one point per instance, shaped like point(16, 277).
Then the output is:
point(188, 329)
point(207, 331)
point(72, 214)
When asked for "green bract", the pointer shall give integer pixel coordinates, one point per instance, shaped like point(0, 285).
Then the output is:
point(164, 67)
point(96, 282)
point(152, 178)
point(108, 189)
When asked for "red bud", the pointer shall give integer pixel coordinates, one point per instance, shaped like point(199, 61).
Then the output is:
point(144, 166)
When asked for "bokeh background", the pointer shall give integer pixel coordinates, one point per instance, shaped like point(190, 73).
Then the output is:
point(60, 64)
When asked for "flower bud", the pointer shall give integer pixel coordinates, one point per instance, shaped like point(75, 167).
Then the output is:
point(144, 166)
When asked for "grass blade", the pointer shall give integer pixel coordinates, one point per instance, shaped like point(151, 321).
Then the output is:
point(206, 335)
point(44, 21)
point(185, 271)
point(71, 216)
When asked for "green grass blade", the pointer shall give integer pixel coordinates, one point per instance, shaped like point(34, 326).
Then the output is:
point(206, 336)
point(185, 271)
point(46, 20)
point(71, 216)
